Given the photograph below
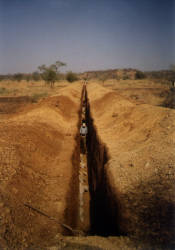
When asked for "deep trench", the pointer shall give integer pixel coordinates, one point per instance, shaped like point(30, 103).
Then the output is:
point(104, 218)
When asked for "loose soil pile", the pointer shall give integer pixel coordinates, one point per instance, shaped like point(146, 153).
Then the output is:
point(130, 163)
point(139, 169)
point(39, 158)
point(155, 96)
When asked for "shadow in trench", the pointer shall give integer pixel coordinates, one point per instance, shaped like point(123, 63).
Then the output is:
point(104, 214)
point(103, 207)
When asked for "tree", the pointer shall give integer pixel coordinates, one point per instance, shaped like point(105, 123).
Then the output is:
point(103, 78)
point(18, 77)
point(36, 76)
point(28, 77)
point(139, 75)
point(71, 77)
point(59, 64)
point(50, 77)
point(50, 73)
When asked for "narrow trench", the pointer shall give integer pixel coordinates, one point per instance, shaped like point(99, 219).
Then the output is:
point(98, 211)
point(84, 196)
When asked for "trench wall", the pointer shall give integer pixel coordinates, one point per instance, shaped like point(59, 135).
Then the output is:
point(39, 152)
point(103, 206)
point(72, 210)
point(131, 167)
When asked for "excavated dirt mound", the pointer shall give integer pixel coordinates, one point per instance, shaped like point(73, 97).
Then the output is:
point(155, 96)
point(144, 92)
point(130, 165)
point(10, 105)
point(134, 157)
point(39, 159)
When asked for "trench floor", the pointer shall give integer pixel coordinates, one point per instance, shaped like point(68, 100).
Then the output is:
point(84, 196)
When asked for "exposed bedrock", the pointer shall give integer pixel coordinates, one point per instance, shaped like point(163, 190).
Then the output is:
point(131, 162)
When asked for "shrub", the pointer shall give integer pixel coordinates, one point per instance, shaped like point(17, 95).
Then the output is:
point(18, 77)
point(28, 77)
point(36, 76)
point(139, 75)
point(104, 77)
point(71, 77)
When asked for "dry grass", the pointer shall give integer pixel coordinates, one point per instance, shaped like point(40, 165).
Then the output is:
point(141, 91)
point(140, 83)
point(24, 88)
point(33, 89)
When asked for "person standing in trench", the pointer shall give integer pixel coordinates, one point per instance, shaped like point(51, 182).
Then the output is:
point(83, 133)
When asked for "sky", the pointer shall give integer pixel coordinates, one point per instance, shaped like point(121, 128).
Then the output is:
point(86, 34)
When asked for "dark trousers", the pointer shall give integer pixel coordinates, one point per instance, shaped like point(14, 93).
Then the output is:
point(83, 144)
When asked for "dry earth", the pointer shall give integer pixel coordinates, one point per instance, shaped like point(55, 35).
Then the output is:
point(38, 149)
point(135, 159)
point(131, 170)
point(142, 91)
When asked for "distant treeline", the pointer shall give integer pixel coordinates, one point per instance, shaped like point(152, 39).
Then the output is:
point(124, 74)
point(35, 76)
point(103, 75)
point(162, 74)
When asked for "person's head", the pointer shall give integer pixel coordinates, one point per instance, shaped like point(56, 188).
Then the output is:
point(84, 124)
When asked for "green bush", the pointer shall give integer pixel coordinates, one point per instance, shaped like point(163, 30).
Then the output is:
point(71, 77)
point(51, 74)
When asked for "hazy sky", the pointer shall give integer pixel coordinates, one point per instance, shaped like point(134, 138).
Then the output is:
point(86, 34)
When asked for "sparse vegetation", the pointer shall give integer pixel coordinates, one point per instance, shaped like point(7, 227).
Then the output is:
point(36, 76)
point(103, 78)
point(71, 77)
point(50, 74)
point(162, 75)
point(3, 91)
point(139, 75)
point(125, 76)
point(18, 77)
